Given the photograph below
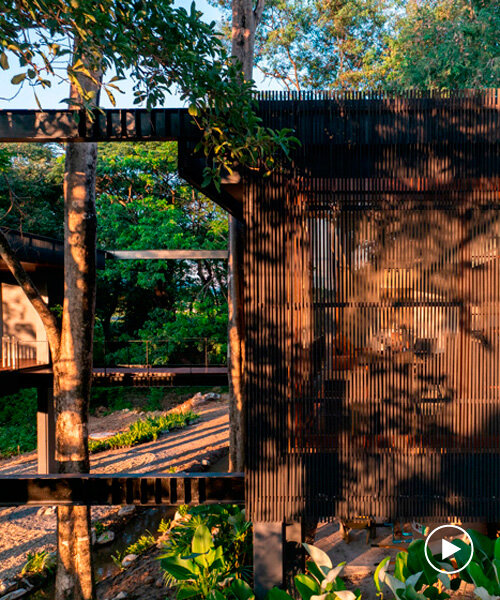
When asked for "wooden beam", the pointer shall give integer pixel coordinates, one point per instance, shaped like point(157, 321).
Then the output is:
point(165, 124)
point(169, 254)
point(156, 489)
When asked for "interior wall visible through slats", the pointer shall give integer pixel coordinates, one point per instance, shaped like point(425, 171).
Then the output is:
point(373, 326)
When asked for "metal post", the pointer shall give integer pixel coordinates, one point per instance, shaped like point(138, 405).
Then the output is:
point(46, 432)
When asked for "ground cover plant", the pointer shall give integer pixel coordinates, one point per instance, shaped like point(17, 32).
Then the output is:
point(143, 430)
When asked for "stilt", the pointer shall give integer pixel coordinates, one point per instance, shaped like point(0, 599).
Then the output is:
point(46, 431)
point(267, 556)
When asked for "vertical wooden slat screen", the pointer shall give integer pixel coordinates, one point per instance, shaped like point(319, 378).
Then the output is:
point(372, 269)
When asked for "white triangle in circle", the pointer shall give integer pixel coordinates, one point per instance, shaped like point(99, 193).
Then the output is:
point(448, 549)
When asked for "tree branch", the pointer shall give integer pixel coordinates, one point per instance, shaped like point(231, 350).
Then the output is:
point(258, 10)
point(23, 279)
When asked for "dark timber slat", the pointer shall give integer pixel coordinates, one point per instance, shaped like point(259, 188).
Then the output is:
point(144, 490)
point(372, 310)
point(112, 125)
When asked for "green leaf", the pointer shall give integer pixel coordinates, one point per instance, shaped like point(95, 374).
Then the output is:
point(496, 550)
point(306, 586)
point(277, 594)
point(17, 79)
point(482, 544)
point(187, 591)
point(319, 557)
point(401, 570)
point(180, 568)
point(242, 590)
point(202, 540)
point(380, 572)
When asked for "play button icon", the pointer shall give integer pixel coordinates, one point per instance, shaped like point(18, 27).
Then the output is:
point(448, 549)
point(440, 541)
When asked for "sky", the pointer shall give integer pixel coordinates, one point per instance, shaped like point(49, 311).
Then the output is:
point(51, 98)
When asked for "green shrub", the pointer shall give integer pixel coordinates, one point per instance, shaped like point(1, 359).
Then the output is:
point(141, 545)
point(18, 423)
point(208, 552)
point(143, 430)
point(39, 562)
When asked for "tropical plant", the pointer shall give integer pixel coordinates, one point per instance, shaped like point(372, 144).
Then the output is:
point(322, 581)
point(414, 578)
point(230, 530)
point(484, 568)
point(204, 572)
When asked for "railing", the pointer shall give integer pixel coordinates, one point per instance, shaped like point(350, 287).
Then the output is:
point(203, 352)
point(20, 354)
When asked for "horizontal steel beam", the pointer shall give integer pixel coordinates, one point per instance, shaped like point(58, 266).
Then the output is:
point(102, 490)
point(168, 254)
point(118, 125)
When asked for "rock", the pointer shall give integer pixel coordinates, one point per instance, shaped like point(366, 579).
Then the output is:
point(7, 586)
point(211, 397)
point(15, 594)
point(120, 596)
point(93, 539)
point(126, 511)
point(46, 511)
point(106, 538)
point(128, 560)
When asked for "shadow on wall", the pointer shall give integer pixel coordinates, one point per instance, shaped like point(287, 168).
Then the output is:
point(373, 318)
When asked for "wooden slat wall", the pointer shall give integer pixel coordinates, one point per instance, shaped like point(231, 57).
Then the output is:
point(373, 310)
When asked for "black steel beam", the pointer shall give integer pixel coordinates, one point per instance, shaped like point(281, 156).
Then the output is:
point(101, 490)
point(112, 125)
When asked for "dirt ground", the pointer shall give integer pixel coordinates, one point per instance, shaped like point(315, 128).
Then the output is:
point(29, 529)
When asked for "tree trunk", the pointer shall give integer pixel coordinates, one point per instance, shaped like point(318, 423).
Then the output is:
point(245, 20)
point(73, 369)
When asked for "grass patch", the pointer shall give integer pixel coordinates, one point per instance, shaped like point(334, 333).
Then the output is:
point(18, 423)
point(39, 562)
point(144, 543)
point(144, 430)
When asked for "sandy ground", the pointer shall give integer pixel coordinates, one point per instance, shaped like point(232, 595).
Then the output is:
point(30, 529)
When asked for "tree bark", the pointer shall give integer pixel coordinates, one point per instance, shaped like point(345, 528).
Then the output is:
point(73, 369)
point(245, 18)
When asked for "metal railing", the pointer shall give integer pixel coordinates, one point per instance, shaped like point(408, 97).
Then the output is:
point(20, 354)
point(201, 351)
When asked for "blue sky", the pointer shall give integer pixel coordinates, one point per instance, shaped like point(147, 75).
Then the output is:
point(50, 98)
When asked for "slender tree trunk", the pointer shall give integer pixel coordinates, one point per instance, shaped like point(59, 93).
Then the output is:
point(245, 20)
point(73, 369)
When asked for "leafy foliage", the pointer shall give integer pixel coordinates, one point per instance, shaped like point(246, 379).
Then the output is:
point(484, 569)
point(414, 578)
point(156, 45)
point(18, 423)
point(143, 431)
point(142, 203)
point(446, 44)
point(208, 551)
point(31, 178)
point(320, 44)
point(321, 581)
point(141, 545)
point(39, 562)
